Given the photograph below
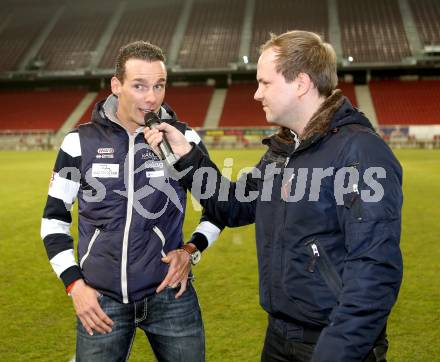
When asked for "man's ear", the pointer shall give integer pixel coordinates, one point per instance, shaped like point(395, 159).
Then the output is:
point(116, 86)
point(303, 84)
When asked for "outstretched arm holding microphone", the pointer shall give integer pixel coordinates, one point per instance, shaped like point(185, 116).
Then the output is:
point(191, 159)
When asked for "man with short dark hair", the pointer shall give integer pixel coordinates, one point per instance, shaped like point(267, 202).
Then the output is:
point(133, 267)
point(326, 201)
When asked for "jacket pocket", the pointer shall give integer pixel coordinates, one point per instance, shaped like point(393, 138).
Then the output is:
point(320, 260)
point(89, 248)
point(161, 236)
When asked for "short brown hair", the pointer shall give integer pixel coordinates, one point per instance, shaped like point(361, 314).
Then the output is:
point(304, 52)
point(142, 50)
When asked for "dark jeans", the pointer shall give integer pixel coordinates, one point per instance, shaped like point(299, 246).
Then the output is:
point(279, 348)
point(173, 327)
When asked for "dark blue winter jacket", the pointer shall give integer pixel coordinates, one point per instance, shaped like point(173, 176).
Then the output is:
point(328, 219)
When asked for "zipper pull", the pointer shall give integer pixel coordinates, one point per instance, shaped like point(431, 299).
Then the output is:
point(314, 259)
point(287, 161)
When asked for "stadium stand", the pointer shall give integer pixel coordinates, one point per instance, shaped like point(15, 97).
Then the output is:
point(240, 108)
point(282, 15)
point(190, 102)
point(17, 19)
point(143, 20)
point(426, 16)
point(406, 102)
point(372, 31)
point(349, 92)
point(77, 41)
point(102, 94)
point(73, 41)
point(212, 38)
point(44, 110)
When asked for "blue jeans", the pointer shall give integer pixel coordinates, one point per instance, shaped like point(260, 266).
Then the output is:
point(173, 327)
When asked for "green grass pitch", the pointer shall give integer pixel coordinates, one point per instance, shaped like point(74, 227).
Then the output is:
point(37, 318)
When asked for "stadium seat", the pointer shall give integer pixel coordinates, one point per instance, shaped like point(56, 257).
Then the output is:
point(212, 38)
point(406, 102)
point(73, 41)
point(426, 16)
point(240, 108)
point(86, 117)
point(153, 22)
point(18, 19)
point(283, 15)
point(190, 103)
point(372, 31)
point(348, 90)
point(38, 110)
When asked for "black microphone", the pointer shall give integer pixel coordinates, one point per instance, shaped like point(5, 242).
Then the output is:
point(152, 121)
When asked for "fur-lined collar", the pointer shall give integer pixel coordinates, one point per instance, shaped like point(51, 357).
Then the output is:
point(322, 118)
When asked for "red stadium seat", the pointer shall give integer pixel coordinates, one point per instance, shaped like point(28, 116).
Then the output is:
point(86, 117)
point(38, 110)
point(348, 90)
point(190, 103)
point(406, 102)
point(240, 108)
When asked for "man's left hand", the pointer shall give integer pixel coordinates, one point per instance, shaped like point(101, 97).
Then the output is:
point(179, 267)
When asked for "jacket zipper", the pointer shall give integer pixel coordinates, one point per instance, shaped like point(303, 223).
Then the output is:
point(282, 212)
point(314, 259)
point(291, 179)
point(130, 192)
point(92, 241)
point(321, 261)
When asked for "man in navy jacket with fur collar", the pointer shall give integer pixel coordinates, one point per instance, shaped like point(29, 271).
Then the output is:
point(326, 201)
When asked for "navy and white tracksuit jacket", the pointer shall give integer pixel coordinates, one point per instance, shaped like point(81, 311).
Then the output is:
point(130, 212)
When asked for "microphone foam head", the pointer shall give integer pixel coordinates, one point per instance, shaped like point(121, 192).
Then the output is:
point(151, 119)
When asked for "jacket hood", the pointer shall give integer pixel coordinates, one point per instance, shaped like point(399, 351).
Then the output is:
point(347, 114)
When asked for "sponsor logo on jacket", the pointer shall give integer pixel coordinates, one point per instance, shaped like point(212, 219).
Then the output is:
point(105, 152)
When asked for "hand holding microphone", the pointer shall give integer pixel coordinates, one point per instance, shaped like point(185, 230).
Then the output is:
point(166, 152)
point(161, 135)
